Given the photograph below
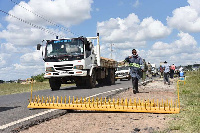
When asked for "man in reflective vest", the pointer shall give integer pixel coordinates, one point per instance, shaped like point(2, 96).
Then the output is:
point(136, 67)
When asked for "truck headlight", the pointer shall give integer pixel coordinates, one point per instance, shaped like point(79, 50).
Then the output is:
point(78, 67)
point(50, 69)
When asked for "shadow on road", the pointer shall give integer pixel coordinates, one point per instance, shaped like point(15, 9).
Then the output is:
point(8, 108)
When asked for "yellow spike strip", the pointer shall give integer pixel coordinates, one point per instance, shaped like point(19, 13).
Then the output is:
point(125, 106)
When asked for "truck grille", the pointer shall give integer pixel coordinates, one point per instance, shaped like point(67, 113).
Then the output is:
point(65, 67)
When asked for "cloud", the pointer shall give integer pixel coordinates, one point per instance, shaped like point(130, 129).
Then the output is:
point(130, 29)
point(2, 60)
point(186, 18)
point(30, 63)
point(73, 12)
point(136, 4)
point(32, 28)
point(32, 59)
point(183, 51)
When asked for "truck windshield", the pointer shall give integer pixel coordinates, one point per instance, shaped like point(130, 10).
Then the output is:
point(64, 47)
point(123, 68)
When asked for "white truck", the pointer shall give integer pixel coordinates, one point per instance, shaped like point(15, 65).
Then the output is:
point(79, 60)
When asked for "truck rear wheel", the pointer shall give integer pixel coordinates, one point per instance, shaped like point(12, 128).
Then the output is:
point(54, 83)
point(111, 77)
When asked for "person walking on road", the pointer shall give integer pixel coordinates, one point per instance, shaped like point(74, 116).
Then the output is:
point(172, 69)
point(136, 67)
point(166, 68)
point(161, 71)
point(144, 71)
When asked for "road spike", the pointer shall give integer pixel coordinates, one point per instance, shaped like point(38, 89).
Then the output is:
point(73, 100)
point(130, 104)
point(76, 100)
point(38, 99)
point(35, 99)
point(92, 100)
point(65, 100)
point(157, 103)
point(159, 106)
point(57, 99)
point(145, 105)
point(134, 102)
point(85, 100)
point(167, 102)
point(53, 100)
point(126, 102)
point(69, 100)
point(42, 99)
point(139, 102)
point(61, 99)
point(118, 101)
point(50, 101)
point(81, 100)
point(142, 103)
point(122, 101)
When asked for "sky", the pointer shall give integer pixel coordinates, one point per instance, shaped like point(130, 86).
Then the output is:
point(160, 30)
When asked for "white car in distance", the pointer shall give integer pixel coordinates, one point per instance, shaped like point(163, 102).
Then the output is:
point(123, 72)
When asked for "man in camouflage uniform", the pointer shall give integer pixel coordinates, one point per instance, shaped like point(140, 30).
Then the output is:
point(136, 67)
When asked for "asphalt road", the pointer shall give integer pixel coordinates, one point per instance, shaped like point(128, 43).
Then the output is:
point(14, 112)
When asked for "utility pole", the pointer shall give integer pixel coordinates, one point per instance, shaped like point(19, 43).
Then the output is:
point(111, 50)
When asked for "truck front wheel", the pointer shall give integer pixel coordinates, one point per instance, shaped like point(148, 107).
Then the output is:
point(54, 83)
point(91, 83)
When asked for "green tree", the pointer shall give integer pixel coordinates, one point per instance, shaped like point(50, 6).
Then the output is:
point(38, 78)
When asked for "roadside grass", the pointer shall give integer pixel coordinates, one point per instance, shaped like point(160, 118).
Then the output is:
point(188, 120)
point(13, 88)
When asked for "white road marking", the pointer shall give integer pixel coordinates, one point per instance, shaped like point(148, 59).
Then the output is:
point(27, 118)
point(48, 111)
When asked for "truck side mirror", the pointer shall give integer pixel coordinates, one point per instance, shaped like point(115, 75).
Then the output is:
point(85, 41)
point(90, 46)
point(38, 46)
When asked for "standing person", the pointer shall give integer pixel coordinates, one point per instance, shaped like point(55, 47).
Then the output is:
point(166, 68)
point(144, 71)
point(136, 66)
point(149, 70)
point(172, 69)
point(161, 71)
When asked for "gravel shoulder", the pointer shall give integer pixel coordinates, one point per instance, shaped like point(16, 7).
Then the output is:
point(116, 122)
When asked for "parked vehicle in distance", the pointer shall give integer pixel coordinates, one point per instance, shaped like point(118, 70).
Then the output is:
point(154, 70)
point(122, 72)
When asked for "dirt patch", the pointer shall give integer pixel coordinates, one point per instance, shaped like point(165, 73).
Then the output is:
point(103, 122)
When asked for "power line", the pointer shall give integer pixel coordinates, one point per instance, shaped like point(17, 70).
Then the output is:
point(31, 24)
point(47, 20)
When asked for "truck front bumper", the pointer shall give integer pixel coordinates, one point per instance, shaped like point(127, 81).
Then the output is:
point(66, 74)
